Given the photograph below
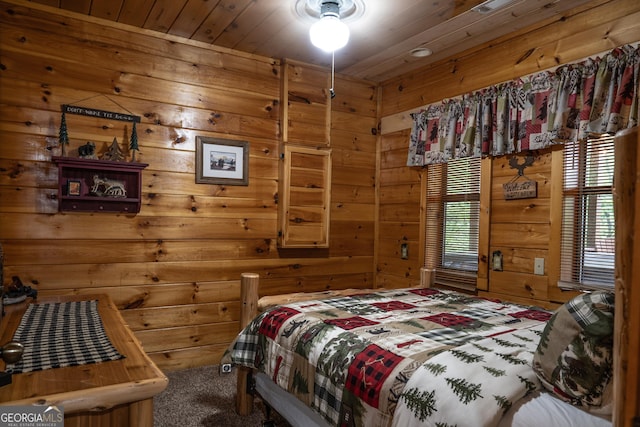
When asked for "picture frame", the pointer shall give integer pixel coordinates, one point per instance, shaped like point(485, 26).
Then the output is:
point(74, 187)
point(222, 161)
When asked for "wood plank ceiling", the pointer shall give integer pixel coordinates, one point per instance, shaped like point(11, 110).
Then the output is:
point(381, 38)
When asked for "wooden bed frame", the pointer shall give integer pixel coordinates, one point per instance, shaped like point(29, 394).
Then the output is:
point(626, 375)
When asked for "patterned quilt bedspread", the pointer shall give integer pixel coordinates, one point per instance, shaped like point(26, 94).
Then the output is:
point(408, 357)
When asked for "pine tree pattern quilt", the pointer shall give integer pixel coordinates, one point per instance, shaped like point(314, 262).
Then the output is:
point(408, 357)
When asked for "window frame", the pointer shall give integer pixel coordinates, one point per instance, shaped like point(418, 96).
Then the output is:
point(573, 249)
point(434, 201)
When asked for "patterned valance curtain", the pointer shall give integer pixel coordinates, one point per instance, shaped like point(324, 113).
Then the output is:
point(594, 96)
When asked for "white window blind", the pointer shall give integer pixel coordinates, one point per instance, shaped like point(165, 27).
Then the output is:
point(588, 224)
point(452, 220)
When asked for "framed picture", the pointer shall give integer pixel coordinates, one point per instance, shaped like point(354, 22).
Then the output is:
point(74, 187)
point(222, 161)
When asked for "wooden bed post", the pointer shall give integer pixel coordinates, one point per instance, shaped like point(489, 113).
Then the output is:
point(626, 348)
point(249, 296)
point(249, 310)
point(427, 277)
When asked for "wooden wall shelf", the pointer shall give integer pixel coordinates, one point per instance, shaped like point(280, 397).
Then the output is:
point(76, 185)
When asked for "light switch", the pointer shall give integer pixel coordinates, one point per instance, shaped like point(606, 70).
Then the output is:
point(538, 266)
point(404, 251)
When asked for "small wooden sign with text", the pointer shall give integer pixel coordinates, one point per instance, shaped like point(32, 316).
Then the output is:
point(102, 114)
point(520, 190)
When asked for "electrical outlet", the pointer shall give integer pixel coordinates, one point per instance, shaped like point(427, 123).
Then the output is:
point(538, 266)
point(225, 368)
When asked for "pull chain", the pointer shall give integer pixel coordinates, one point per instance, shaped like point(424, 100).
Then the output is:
point(333, 72)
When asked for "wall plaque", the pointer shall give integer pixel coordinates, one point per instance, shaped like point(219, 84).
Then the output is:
point(101, 114)
point(520, 190)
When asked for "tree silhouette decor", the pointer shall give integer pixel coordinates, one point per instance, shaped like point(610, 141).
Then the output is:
point(133, 145)
point(63, 136)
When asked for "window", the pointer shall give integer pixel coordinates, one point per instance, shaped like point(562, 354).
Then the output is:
point(588, 224)
point(452, 222)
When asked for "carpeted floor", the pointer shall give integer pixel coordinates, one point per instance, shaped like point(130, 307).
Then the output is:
point(202, 397)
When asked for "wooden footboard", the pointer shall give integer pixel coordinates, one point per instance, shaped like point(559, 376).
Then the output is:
point(252, 305)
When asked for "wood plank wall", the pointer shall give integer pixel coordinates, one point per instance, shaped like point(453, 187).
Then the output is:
point(522, 230)
point(174, 268)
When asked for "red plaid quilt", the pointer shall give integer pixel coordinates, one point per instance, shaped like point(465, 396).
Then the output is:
point(398, 357)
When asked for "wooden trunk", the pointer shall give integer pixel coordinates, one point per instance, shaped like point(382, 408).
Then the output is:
point(112, 393)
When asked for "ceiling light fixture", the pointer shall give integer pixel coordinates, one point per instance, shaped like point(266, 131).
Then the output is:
point(421, 52)
point(329, 33)
point(491, 5)
point(328, 30)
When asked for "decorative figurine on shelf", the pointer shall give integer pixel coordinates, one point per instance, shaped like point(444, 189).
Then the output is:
point(17, 292)
point(63, 137)
point(105, 187)
point(133, 146)
point(88, 150)
point(114, 152)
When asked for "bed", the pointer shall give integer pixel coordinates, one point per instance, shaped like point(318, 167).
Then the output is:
point(433, 357)
point(399, 357)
